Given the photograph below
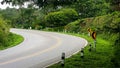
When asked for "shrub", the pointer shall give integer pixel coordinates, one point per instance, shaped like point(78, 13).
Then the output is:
point(60, 18)
point(73, 26)
point(4, 31)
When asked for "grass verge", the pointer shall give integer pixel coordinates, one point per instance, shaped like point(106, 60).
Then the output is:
point(13, 40)
point(101, 58)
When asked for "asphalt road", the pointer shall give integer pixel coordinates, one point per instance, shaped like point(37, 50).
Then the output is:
point(39, 49)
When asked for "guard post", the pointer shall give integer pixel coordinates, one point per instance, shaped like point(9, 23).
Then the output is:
point(90, 49)
point(82, 52)
point(63, 59)
point(30, 27)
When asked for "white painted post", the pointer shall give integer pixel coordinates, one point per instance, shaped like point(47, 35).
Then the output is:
point(90, 49)
point(63, 59)
point(30, 27)
point(82, 52)
point(88, 33)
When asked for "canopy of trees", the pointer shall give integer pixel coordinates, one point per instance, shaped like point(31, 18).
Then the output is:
point(61, 18)
point(41, 3)
point(33, 16)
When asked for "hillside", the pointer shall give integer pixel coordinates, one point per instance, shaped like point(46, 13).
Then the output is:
point(107, 27)
point(99, 24)
point(108, 38)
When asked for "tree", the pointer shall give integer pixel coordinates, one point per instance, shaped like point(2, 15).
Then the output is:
point(10, 14)
point(26, 17)
point(113, 24)
point(60, 18)
point(91, 8)
point(40, 3)
point(115, 4)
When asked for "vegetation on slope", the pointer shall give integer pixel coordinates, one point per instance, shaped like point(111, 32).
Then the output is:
point(7, 39)
point(4, 32)
point(108, 46)
point(13, 40)
point(106, 23)
point(60, 18)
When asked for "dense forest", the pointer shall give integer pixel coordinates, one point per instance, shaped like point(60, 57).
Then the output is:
point(103, 16)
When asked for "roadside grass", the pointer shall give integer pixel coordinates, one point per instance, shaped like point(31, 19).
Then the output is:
point(13, 40)
point(99, 58)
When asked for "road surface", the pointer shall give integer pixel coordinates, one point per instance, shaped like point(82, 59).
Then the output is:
point(39, 49)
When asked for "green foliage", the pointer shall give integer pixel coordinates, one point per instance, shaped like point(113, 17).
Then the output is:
point(40, 3)
point(27, 17)
point(116, 58)
point(7, 39)
point(74, 26)
point(4, 31)
point(10, 14)
point(60, 18)
point(13, 40)
point(115, 5)
point(91, 8)
point(34, 17)
point(113, 24)
point(37, 22)
point(106, 23)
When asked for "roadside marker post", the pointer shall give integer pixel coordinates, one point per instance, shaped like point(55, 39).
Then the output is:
point(30, 27)
point(89, 31)
point(90, 49)
point(93, 34)
point(82, 52)
point(94, 37)
point(63, 59)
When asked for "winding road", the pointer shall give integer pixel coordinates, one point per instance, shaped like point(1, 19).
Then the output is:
point(39, 49)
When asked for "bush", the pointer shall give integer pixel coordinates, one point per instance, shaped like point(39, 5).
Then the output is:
point(73, 26)
point(60, 18)
point(114, 23)
point(4, 31)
